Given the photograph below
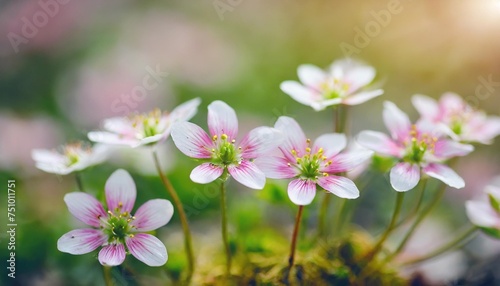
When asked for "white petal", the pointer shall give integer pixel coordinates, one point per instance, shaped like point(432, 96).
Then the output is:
point(301, 192)
point(426, 106)
point(112, 254)
point(339, 186)
point(119, 125)
point(191, 140)
point(85, 208)
point(147, 248)
point(185, 111)
point(362, 97)
point(445, 149)
point(47, 156)
point(294, 136)
point(260, 141)
point(276, 167)
point(404, 176)
point(112, 139)
point(379, 142)
point(222, 120)
point(152, 214)
point(206, 173)
point(396, 121)
point(331, 143)
point(347, 161)
point(120, 191)
point(248, 174)
point(81, 241)
point(444, 174)
point(300, 93)
point(482, 214)
point(310, 75)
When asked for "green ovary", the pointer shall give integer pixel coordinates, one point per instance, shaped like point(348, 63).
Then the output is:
point(225, 153)
point(118, 227)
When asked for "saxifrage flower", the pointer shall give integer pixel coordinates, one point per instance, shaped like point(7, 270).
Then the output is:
point(343, 83)
point(221, 152)
point(417, 147)
point(486, 214)
point(117, 230)
point(312, 164)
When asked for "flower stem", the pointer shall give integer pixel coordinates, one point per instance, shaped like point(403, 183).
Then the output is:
point(417, 222)
point(108, 281)
point(225, 237)
point(415, 210)
point(385, 235)
point(182, 215)
point(322, 214)
point(291, 258)
point(460, 240)
point(79, 182)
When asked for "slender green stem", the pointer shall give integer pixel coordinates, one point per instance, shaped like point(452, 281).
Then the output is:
point(339, 216)
point(182, 215)
point(414, 211)
point(390, 227)
point(460, 240)
point(107, 276)
point(417, 222)
point(225, 237)
point(293, 246)
point(79, 182)
point(322, 214)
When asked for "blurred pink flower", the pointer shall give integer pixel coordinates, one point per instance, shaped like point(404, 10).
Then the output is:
point(418, 147)
point(312, 165)
point(219, 149)
point(116, 230)
point(486, 214)
point(343, 83)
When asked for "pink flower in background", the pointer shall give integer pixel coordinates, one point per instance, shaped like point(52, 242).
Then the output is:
point(312, 165)
point(486, 214)
point(417, 147)
point(72, 157)
point(116, 230)
point(343, 83)
point(459, 120)
point(144, 129)
point(220, 152)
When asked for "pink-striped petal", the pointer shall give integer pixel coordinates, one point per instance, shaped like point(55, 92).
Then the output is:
point(404, 176)
point(426, 106)
point(339, 186)
point(276, 167)
point(444, 174)
point(294, 137)
point(260, 141)
point(299, 93)
point(311, 75)
point(301, 192)
point(482, 214)
point(81, 241)
point(248, 174)
point(85, 208)
point(222, 120)
point(362, 97)
point(331, 143)
point(379, 142)
point(185, 111)
point(347, 161)
point(120, 191)
point(152, 214)
point(112, 254)
point(206, 173)
point(147, 248)
point(191, 140)
point(396, 121)
point(445, 149)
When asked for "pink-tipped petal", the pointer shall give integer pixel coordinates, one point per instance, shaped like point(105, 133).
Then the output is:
point(120, 191)
point(396, 121)
point(294, 137)
point(301, 192)
point(191, 140)
point(147, 248)
point(222, 120)
point(85, 208)
point(185, 111)
point(310, 75)
point(299, 93)
point(112, 254)
point(81, 241)
point(445, 149)
point(277, 168)
point(482, 214)
point(260, 141)
point(426, 106)
point(206, 173)
point(347, 161)
point(379, 142)
point(152, 214)
point(248, 175)
point(362, 97)
point(404, 176)
point(444, 174)
point(331, 143)
point(339, 186)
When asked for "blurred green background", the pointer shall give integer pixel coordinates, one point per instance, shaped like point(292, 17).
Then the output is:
point(63, 73)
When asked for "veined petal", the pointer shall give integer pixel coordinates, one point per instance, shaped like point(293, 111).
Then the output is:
point(260, 141)
point(85, 208)
point(445, 149)
point(191, 140)
point(310, 75)
point(152, 214)
point(301, 192)
point(362, 97)
point(294, 137)
point(185, 111)
point(206, 173)
point(112, 254)
point(147, 248)
point(300, 93)
point(222, 120)
point(379, 142)
point(120, 191)
point(248, 174)
point(482, 214)
point(331, 143)
point(81, 241)
point(276, 167)
point(426, 106)
point(347, 161)
point(444, 174)
point(396, 121)
point(404, 176)
point(339, 186)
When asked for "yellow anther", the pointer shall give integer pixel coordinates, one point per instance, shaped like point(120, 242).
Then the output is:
point(325, 174)
point(214, 138)
point(120, 204)
point(294, 153)
point(233, 141)
point(239, 148)
point(131, 235)
point(223, 136)
point(324, 157)
point(213, 150)
point(308, 150)
point(320, 151)
point(308, 140)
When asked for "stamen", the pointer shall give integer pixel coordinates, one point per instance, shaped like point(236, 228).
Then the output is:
point(223, 136)
point(214, 138)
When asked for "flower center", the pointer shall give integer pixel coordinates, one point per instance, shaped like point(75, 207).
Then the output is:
point(225, 153)
point(309, 163)
point(418, 145)
point(117, 227)
point(74, 153)
point(334, 88)
point(147, 125)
